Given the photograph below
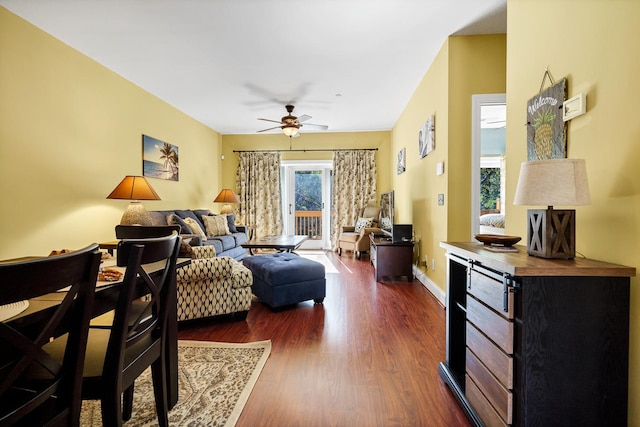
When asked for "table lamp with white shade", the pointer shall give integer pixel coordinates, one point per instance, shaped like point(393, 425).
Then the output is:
point(551, 233)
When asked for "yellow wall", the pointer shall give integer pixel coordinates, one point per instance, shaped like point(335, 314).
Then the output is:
point(307, 141)
point(70, 130)
point(445, 91)
point(594, 47)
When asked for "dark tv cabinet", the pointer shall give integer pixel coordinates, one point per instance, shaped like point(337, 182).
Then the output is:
point(391, 259)
point(536, 342)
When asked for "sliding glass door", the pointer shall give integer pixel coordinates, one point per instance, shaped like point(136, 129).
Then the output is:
point(306, 200)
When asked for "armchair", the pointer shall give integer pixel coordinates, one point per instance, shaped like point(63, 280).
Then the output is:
point(213, 285)
point(356, 239)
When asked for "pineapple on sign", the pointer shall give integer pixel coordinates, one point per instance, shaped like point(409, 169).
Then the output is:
point(543, 136)
point(546, 131)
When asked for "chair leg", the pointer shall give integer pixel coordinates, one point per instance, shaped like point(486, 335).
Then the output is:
point(158, 375)
point(127, 403)
point(111, 408)
point(339, 251)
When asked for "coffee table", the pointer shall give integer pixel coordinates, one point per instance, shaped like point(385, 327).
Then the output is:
point(284, 243)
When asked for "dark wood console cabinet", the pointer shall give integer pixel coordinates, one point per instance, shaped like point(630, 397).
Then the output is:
point(536, 342)
point(391, 259)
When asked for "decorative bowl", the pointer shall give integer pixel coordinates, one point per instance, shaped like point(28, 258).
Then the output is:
point(497, 239)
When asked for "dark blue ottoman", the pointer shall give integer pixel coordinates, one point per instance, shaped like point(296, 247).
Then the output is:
point(284, 278)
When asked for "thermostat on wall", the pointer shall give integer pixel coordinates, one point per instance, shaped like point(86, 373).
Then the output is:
point(574, 107)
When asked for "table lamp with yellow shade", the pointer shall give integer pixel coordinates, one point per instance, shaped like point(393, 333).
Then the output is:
point(134, 188)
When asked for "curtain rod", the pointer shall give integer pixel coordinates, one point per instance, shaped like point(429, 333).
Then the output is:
point(300, 150)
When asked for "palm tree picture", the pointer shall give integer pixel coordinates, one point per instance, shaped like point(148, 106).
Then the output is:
point(159, 159)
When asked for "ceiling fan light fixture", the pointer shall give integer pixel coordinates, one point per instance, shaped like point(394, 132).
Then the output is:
point(290, 130)
point(290, 124)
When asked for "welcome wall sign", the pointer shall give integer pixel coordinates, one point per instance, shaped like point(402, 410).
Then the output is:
point(546, 130)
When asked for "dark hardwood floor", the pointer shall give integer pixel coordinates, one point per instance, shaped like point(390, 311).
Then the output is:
point(368, 356)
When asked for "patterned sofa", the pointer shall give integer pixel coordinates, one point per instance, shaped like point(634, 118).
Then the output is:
point(212, 285)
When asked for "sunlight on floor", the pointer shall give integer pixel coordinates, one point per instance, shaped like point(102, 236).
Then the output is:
point(319, 256)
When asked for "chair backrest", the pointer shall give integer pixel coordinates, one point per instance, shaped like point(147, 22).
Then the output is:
point(371, 212)
point(22, 339)
point(149, 323)
point(145, 231)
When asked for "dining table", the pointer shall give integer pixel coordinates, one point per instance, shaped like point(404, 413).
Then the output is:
point(36, 309)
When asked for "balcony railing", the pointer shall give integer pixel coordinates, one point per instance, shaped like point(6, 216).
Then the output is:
point(309, 223)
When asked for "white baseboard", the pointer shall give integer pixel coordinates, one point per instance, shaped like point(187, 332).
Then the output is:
point(430, 285)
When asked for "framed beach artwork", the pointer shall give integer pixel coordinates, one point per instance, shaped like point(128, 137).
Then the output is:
point(426, 137)
point(402, 160)
point(159, 159)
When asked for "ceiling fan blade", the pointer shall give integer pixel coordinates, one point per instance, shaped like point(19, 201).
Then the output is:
point(269, 120)
point(275, 127)
point(303, 118)
point(319, 127)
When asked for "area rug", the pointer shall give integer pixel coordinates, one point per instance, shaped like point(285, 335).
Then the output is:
point(214, 380)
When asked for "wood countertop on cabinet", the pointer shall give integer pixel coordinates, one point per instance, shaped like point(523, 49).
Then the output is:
point(521, 264)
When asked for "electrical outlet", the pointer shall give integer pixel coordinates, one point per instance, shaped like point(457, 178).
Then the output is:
point(441, 199)
point(433, 265)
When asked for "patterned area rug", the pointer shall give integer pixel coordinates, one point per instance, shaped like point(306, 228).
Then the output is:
point(215, 380)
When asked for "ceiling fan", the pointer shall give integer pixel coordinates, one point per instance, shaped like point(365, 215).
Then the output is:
point(291, 124)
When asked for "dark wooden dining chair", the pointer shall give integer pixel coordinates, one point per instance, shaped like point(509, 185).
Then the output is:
point(37, 388)
point(134, 232)
point(145, 231)
point(136, 340)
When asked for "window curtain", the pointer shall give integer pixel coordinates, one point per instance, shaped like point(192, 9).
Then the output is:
point(258, 188)
point(354, 187)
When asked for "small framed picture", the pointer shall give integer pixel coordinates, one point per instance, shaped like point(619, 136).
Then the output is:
point(402, 159)
point(426, 137)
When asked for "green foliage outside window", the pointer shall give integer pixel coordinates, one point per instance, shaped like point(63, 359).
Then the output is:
point(308, 191)
point(489, 187)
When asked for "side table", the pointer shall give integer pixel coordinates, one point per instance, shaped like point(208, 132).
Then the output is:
point(391, 259)
point(109, 246)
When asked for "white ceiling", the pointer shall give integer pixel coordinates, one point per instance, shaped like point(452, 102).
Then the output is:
point(350, 64)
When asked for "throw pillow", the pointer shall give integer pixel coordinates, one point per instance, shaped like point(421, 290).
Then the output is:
point(363, 223)
point(185, 251)
point(195, 227)
point(201, 213)
point(216, 225)
point(231, 220)
point(386, 223)
point(159, 217)
point(188, 214)
point(174, 219)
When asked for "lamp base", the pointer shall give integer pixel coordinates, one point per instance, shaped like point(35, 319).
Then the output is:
point(551, 233)
point(226, 209)
point(135, 214)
